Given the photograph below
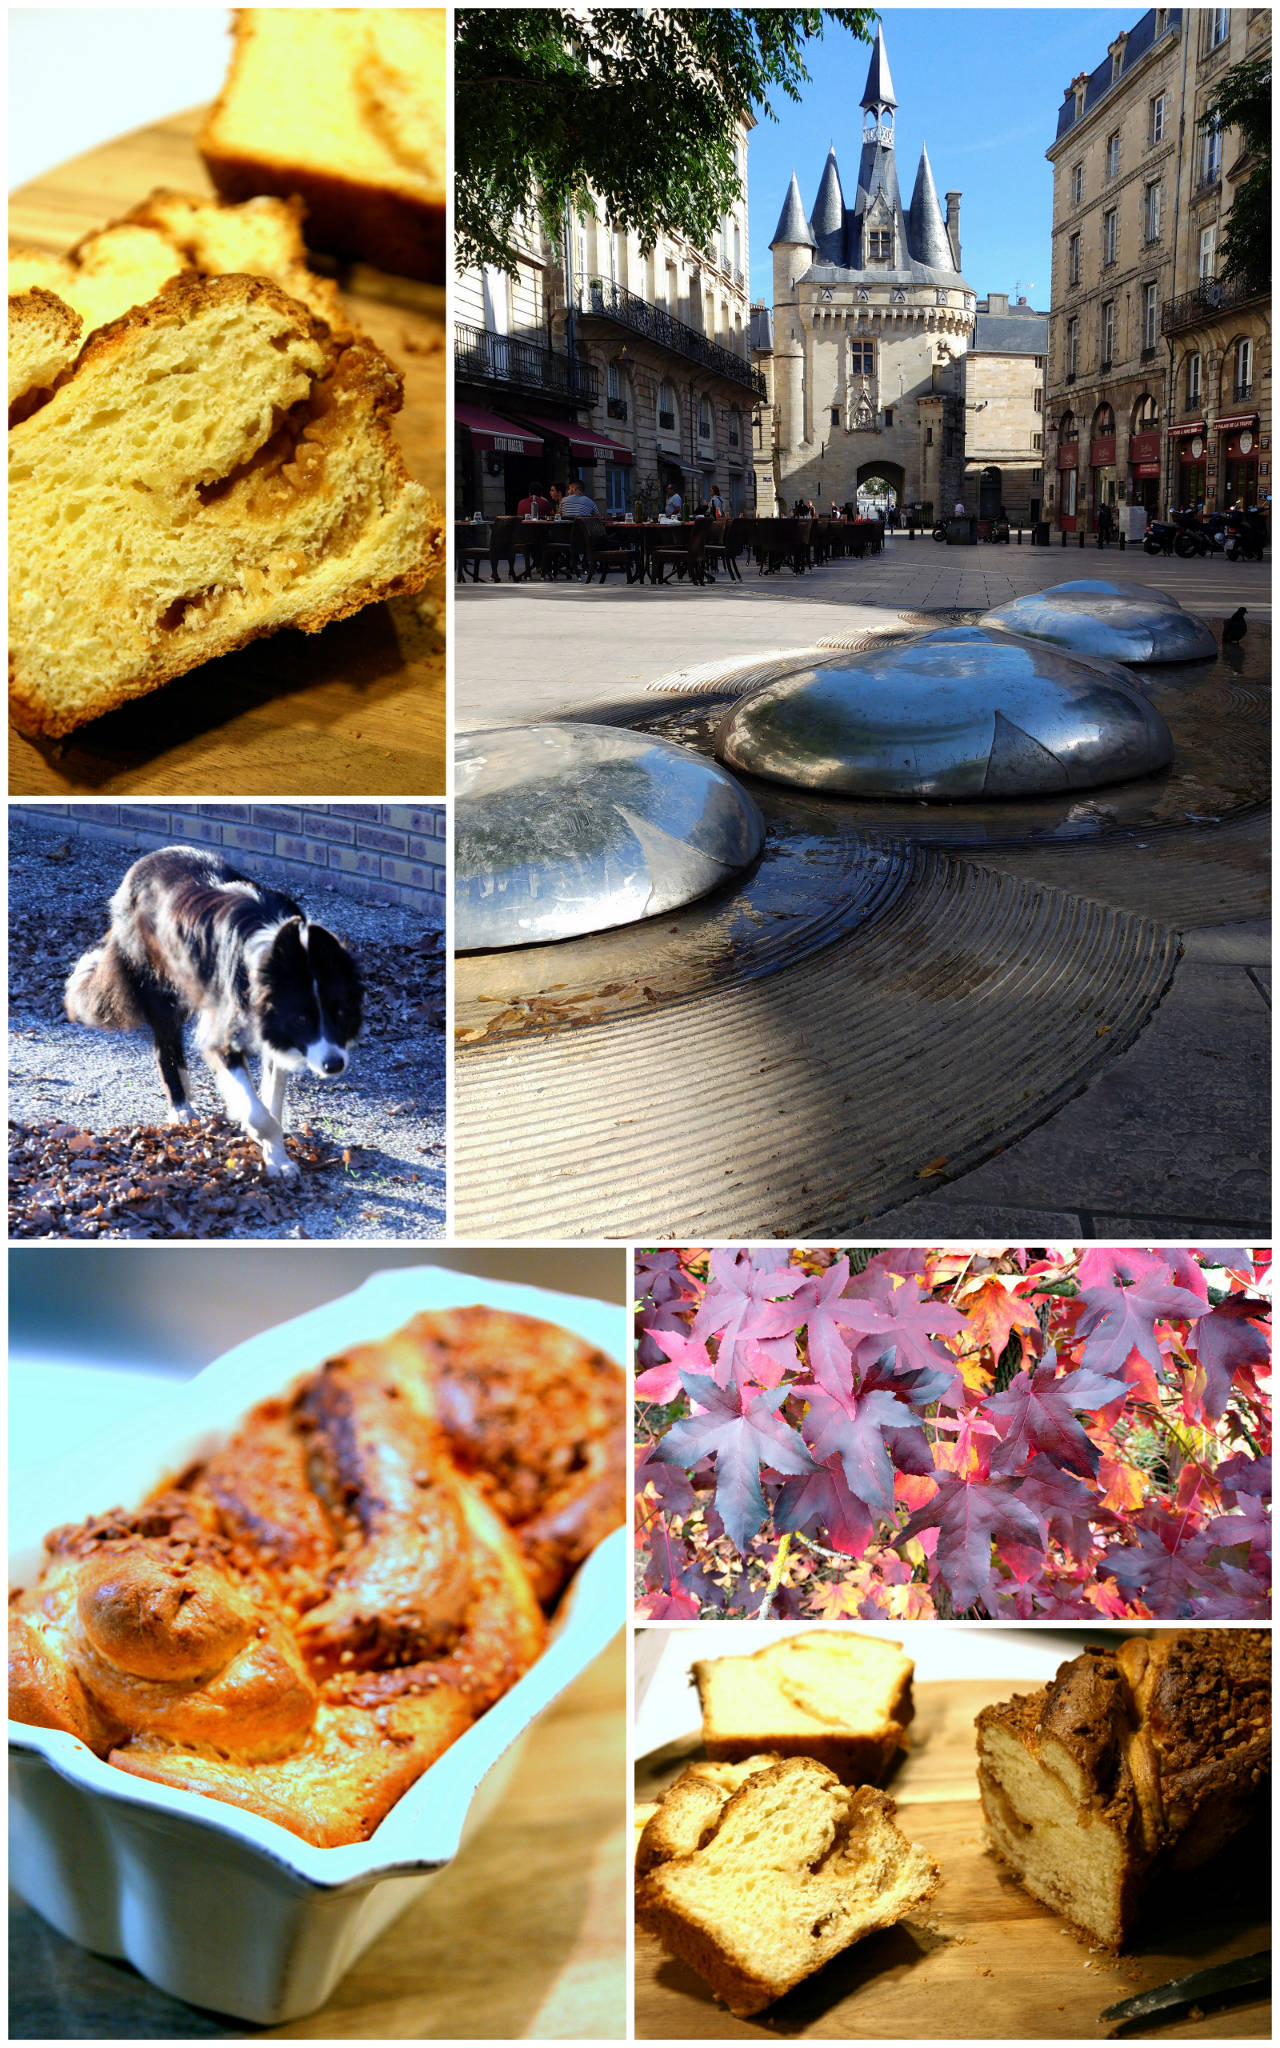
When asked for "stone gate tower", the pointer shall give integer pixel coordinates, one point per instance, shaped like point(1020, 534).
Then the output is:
point(870, 316)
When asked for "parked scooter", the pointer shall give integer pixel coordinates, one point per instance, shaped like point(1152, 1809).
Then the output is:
point(1159, 537)
point(1245, 537)
point(1198, 536)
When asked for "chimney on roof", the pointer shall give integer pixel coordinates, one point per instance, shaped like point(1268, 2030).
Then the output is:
point(997, 302)
point(953, 224)
point(1022, 302)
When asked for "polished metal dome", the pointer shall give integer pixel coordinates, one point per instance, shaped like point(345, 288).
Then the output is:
point(1119, 621)
point(562, 829)
point(964, 712)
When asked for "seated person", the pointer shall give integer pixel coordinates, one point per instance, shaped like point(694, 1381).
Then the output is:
point(674, 507)
point(534, 505)
point(575, 504)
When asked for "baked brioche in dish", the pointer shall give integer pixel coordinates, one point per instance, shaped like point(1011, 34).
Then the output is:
point(303, 1622)
point(842, 1698)
point(1139, 1759)
point(217, 465)
point(795, 1868)
point(346, 106)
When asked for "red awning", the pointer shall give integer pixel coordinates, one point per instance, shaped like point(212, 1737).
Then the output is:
point(584, 445)
point(1191, 427)
point(492, 434)
point(1234, 421)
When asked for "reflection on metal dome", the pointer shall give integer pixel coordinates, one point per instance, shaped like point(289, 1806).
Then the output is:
point(1119, 621)
point(561, 829)
point(960, 713)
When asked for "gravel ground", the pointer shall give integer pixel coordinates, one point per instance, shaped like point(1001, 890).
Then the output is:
point(375, 1166)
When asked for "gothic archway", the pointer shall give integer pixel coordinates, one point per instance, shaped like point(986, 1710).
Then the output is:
point(880, 488)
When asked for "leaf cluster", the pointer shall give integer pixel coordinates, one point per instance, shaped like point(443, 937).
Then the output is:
point(1242, 100)
point(1033, 1432)
point(634, 108)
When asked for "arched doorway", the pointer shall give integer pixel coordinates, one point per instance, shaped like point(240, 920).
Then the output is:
point(990, 493)
point(880, 486)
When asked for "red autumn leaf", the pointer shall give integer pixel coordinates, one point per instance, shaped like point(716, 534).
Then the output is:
point(742, 1432)
point(821, 1502)
point(853, 1429)
point(1226, 1340)
point(1120, 1320)
point(1036, 1413)
point(970, 1515)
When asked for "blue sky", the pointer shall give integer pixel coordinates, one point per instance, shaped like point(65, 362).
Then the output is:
point(981, 86)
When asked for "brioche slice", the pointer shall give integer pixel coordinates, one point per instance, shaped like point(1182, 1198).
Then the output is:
point(218, 466)
point(1147, 1756)
point(44, 338)
point(346, 106)
point(126, 263)
point(690, 1808)
point(796, 1868)
point(844, 1699)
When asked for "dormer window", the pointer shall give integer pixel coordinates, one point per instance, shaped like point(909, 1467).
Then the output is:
point(879, 245)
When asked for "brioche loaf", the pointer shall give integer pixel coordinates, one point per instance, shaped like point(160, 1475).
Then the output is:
point(844, 1699)
point(345, 106)
point(795, 1868)
point(217, 466)
point(1138, 1759)
point(306, 1619)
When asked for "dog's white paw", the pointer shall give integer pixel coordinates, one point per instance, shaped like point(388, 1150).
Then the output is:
point(182, 1113)
point(276, 1163)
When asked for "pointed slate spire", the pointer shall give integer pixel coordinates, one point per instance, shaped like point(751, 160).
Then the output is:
point(879, 90)
point(926, 227)
point(828, 213)
point(792, 225)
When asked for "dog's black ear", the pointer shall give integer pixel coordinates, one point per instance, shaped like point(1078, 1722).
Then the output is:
point(288, 939)
point(332, 964)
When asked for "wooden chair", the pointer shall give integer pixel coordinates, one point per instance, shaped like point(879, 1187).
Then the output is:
point(470, 544)
point(604, 552)
point(685, 550)
point(725, 542)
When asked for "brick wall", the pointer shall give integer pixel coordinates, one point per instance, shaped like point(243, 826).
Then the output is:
point(384, 853)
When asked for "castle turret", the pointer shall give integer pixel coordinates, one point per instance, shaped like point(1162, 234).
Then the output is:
point(793, 249)
point(828, 214)
point(926, 226)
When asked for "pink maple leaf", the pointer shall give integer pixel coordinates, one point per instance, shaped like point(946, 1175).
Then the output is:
point(970, 1515)
point(740, 1429)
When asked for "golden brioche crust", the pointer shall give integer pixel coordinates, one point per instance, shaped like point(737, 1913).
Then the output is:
point(301, 1623)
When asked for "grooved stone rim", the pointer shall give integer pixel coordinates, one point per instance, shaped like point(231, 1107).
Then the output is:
point(807, 1102)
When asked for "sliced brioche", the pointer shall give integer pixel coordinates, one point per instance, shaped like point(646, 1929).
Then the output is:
point(345, 106)
point(44, 339)
point(170, 234)
point(795, 1869)
point(218, 465)
point(1144, 1756)
point(844, 1699)
point(690, 1808)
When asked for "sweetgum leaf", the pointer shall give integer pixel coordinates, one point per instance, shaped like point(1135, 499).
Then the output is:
point(1164, 1563)
point(852, 1429)
point(826, 1310)
point(745, 1297)
point(970, 1515)
point(681, 1352)
point(742, 1432)
point(1067, 1507)
point(1119, 1320)
point(1035, 1414)
point(820, 1503)
point(677, 1606)
point(1225, 1340)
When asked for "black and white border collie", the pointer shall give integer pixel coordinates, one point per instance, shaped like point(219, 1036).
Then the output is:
point(190, 937)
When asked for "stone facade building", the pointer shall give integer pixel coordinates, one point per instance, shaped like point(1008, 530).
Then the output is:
point(1003, 384)
point(1159, 371)
point(597, 361)
point(870, 317)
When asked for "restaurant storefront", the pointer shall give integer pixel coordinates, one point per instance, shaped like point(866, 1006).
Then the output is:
point(1068, 461)
point(1189, 466)
point(1238, 458)
point(1144, 471)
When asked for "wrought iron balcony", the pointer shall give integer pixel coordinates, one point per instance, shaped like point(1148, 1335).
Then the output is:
point(1241, 394)
point(1193, 308)
point(482, 357)
point(606, 300)
point(616, 408)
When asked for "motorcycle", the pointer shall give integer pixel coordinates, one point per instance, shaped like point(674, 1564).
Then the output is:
point(1244, 537)
point(1159, 537)
point(1197, 537)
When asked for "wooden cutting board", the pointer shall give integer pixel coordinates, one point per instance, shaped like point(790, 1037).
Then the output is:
point(986, 1961)
point(356, 710)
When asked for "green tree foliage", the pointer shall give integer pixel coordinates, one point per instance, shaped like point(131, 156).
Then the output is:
point(1243, 102)
point(636, 106)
